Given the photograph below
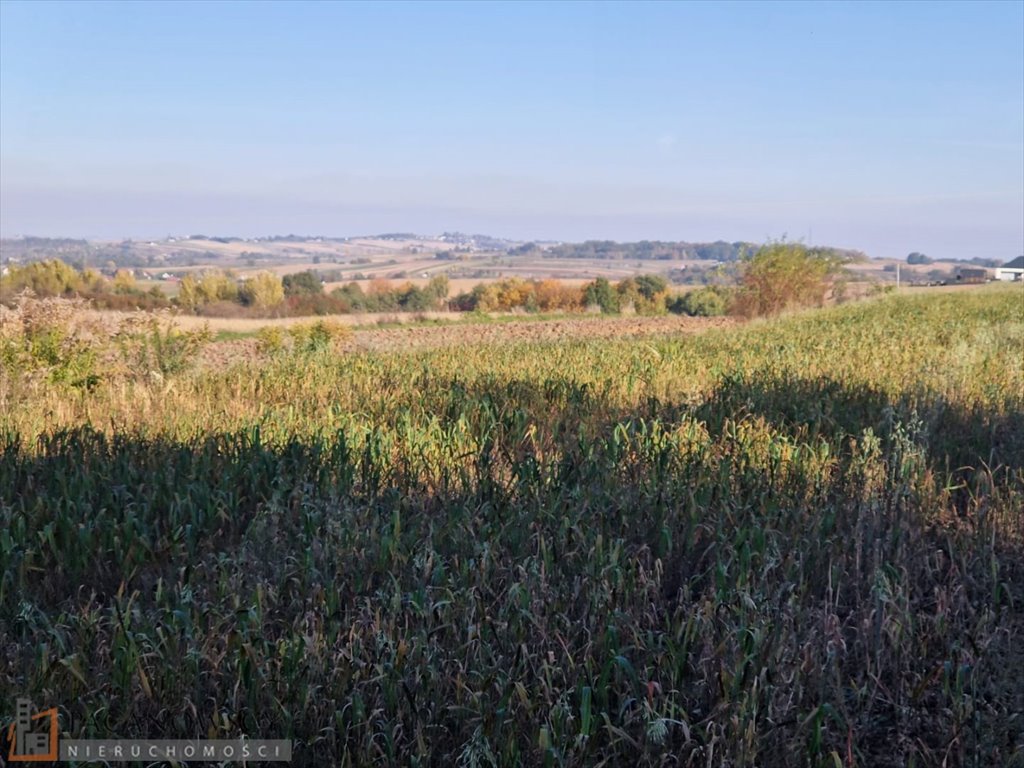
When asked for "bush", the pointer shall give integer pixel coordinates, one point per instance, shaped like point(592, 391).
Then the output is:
point(263, 290)
point(124, 281)
point(553, 295)
point(212, 286)
point(304, 339)
point(783, 275)
point(601, 294)
point(712, 301)
point(272, 340)
point(321, 336)
point(302, 283)
point(151, 350)
point(45, 279)
point(464, 302)
point(644, 294)
point(46, 337)
point(650, 286)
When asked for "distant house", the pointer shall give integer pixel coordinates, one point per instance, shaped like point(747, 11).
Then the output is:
point(972, 275)
point(1011, 270)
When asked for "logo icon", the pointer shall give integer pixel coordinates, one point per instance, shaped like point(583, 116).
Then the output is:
point(32, 738)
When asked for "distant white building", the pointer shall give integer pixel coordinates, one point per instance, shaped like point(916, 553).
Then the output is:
point(1011, 270)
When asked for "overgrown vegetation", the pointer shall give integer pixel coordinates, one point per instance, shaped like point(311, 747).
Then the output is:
point(55, 278)
point(381, 296)
point(796, 543)
point(155, 349)
point(57, 341)
point(784, 275)
point(776, 277)
point(302, 340)
point(712, 301)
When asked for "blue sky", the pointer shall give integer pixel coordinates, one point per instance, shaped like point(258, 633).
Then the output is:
point(881, 126)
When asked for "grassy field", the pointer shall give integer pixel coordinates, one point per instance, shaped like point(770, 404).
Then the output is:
point(793, 542)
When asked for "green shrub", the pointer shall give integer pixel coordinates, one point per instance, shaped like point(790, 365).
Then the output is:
point(272, 340)
point(712, 301)
point(45, 279)
point(302, 283)
point(302, 339)
point(600, 293)
point(321, 336)
point(149, 349)
point(42, 337)
point(263, 290)
point(781, 276)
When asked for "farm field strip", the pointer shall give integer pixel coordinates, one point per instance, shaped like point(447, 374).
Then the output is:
point(792, 542)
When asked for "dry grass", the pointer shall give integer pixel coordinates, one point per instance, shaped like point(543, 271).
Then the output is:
point(252, 324)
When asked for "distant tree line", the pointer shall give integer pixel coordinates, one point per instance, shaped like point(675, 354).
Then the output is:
point(645, 295)
point(55, 278)
point(776, 277)
point(917, 258)
point(641, 251)
point(647, 250)
point(302, 293)
point(644, 250)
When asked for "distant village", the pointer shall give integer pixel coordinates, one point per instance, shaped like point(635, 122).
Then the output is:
point(171, 258)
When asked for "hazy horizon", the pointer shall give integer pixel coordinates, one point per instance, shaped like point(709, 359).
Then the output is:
point(885, 128)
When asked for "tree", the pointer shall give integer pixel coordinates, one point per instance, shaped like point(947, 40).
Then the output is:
point(188, 293)
point(438, 287)
point(92, 281)
point(703, 302)
point(644, 293)
point(302, 283)
point(216, 286)
point(513, 292)
point(44, 278)
point(124, 281)
point(552, 295)
point(918, 258)
point(601, 294)
point(213, 286)
point(650, 286)
point(629, 297)
point(413, 299)
point(486, 297)
point(784, 275)
point(263, 290)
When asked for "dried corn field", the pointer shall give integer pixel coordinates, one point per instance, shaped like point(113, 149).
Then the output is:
point(791, 542)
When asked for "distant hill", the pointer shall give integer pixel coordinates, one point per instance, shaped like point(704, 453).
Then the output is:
point(644, 250)
point(188, 250)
